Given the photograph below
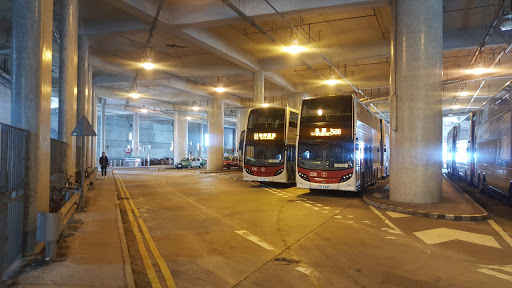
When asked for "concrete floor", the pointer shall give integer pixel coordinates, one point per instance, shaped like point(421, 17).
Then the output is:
point(214, 231)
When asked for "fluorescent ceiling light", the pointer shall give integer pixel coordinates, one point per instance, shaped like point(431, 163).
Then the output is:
point(220, 89)
point(507, 23)
point(265, 105)
point(320, 112)
point(464, 93)
point(189, 118)
point(455, 106)
point(144, 110)
point(331, 81)
point(134, 94)
point(195, 108)
point(294, 49)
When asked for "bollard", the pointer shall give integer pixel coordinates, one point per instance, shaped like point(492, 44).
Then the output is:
point(48, 225)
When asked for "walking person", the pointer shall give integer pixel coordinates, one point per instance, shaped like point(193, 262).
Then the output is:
point(104, 165)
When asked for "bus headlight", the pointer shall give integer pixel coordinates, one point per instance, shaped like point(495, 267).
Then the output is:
point(346, 177)
point(303, 176)
point(248, 171)
point(278, 172)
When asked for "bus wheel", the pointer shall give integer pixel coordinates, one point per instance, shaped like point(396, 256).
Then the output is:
point(482, 186)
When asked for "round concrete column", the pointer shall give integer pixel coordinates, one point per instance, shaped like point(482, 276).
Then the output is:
point(294, 100)
point(180, 136)
point(416, 137)
point(103, 123)
point(31, 104)
point(259, 88)
point(215, 133)
point(241, 123)
point(68, 57)
point(135, 139)
point(82, 90)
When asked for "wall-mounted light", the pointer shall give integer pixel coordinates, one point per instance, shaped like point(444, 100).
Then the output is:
point(320, 112)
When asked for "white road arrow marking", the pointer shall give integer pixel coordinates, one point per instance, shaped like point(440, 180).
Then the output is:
point(439, 235)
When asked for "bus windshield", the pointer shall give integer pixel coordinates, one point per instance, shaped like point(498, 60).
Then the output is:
point(264, 155)
point(266, 118)
point(327, 109)
point(326, 156)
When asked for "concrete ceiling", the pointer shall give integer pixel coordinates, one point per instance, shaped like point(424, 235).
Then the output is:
point(198, 41)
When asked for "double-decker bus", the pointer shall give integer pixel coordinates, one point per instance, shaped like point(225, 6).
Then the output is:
point(460, 148)
point(339, 145)
point(269, 148)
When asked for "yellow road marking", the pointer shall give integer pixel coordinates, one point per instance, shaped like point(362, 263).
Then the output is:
point(161, 262)
point(142, 249)
point(500, 231)
point(159, 259)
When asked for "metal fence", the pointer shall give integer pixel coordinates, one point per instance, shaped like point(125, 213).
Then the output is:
point(13, 143)
point(57, 153)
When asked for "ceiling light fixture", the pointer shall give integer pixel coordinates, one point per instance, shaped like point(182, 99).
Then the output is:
point(195, 108)
point(294, 47)
point(148, 65)
point(265, 105)
point(144, 110)
point(219, 87)
point(134, 94)
point(331, 81)
point(189, 118)
point(464, 93)
point(479, 71)
point(320, 112)
point(456, 106)
point(506, 24)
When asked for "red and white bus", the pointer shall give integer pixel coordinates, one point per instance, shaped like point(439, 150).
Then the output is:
point(269, 148)
point(340, 146)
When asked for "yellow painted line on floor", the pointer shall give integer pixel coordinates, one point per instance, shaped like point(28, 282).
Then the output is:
point(142, 249)
point(161, 262)
point(500, 231)
point(127, 195)
point(159, 259)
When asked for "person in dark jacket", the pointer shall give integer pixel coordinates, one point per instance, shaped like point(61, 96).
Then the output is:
point(104, 165)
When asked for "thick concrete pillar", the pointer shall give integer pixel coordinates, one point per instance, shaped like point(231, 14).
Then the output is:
point(180, 135)
point(295, 100)
point(201, 140)
point(88, 111)
point(31, 104)
point(259, 88)
point(416, 137)
point(215, 132)
point(94, 122)
point(241, 123)
point(82, 90)
point(68, 57)
point(103, 123)
point(135, 141)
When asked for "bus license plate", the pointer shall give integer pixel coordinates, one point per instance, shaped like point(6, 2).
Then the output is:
point(324, 187)
point(262, 179)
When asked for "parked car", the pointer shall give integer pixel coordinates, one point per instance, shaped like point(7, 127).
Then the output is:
point(230, 162)
point(190, 162)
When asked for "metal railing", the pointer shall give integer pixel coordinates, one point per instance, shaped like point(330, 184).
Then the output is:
point(13, 148)
point(57, 155)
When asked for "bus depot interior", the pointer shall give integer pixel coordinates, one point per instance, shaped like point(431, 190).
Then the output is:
point(273, 143)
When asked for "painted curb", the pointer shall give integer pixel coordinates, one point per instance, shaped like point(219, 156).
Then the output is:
point(130, 282)
point(476, 217)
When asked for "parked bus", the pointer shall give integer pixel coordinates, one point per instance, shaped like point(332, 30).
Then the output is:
point(339, 145)
point(484, 138)
point(269, 150)
point(460, 162)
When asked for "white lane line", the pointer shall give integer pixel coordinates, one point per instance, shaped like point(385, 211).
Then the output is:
point(500, 231)
point(350, 222)
point(306, 270)
point(325, 207)
point(390, 237)
point(325, 211)
point(393, 227)
point(306, 204)
point(366, 221)
point(339, 217)
point(319, 205)
point(316, 208)
point(255, 239)
point(350, 216)
point(496, 274)
point(507, 268)
point(391, 231)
